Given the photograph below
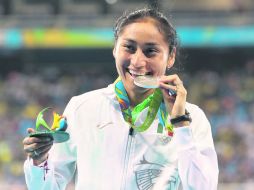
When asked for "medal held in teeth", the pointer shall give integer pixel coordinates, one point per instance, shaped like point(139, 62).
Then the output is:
point(150, 82)
point(147, 81)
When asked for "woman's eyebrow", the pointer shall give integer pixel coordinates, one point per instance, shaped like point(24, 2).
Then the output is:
point(130, 40)
point(151, 44)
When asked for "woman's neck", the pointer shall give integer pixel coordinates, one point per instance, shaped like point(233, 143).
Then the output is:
point(137, 97)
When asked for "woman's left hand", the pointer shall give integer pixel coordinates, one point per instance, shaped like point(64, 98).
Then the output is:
point(175, 104)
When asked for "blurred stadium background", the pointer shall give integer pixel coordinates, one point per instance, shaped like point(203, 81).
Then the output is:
point(51, 50)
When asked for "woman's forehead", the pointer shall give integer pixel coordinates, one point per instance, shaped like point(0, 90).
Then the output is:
point(143, 30)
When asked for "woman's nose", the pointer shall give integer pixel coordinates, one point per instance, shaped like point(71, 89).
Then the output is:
point(138, 59)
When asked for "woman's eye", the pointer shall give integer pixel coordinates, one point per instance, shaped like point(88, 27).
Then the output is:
point(130, 48)
point(150, 51)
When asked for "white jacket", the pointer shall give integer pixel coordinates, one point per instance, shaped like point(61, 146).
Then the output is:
point(103, 154)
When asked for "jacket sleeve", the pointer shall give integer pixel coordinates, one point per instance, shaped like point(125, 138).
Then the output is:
point(59, 169)
point(198, 165)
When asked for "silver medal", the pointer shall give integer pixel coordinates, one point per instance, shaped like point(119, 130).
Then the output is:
point(147, 81)
point(150, 82)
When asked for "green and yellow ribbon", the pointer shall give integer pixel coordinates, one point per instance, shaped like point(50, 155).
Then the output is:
point(155, 105)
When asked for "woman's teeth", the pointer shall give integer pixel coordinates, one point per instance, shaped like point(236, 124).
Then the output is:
point(133, 73)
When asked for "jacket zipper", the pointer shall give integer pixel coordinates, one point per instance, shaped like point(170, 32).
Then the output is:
point(127, 157)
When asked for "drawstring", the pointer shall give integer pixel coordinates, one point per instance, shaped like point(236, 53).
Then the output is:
point(45, 169)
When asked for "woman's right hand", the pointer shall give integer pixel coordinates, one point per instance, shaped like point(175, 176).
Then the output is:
point(37, 147)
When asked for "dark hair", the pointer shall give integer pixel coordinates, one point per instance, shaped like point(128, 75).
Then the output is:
point(164, 25)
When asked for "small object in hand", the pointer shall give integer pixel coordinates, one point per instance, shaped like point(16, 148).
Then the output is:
point(57, 129)
point(151, 82)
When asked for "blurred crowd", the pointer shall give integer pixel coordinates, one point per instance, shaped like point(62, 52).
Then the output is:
point(227, 99)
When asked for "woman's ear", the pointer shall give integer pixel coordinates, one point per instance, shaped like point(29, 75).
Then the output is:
point(114, 51)
point(171, 58)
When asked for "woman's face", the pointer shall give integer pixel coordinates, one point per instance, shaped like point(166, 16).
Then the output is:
point(141, 49)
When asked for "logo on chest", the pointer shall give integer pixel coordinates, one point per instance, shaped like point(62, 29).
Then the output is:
point(150, 175)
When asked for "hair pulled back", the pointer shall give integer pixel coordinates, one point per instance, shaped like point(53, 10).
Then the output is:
point(165, 26)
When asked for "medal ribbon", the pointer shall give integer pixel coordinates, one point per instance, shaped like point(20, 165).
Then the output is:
point(153, 102)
